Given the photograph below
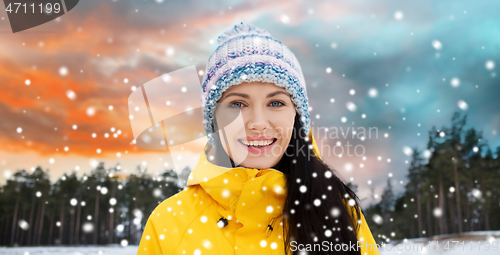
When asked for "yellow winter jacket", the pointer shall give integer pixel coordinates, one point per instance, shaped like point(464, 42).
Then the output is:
point(250, 200)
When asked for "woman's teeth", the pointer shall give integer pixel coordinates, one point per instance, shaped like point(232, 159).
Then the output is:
point(259, 143)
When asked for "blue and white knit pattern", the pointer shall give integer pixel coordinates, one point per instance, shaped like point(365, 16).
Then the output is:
point(248, 54)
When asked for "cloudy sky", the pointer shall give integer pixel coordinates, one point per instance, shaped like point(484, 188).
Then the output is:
point(401, 67)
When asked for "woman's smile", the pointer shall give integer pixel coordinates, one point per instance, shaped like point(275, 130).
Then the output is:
point(258, 145)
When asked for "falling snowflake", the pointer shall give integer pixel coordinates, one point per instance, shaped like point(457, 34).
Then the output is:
point(303, 188)
point(88, 227)
point(335, 212)
point(263, 243)
point(203, 219)
point(476, 193)
point(398, 15)
point(124, 243)
point(352, 202)
point(373, 92)
point(348, 167)
point(23, 225)
point(93, 163)
point(462, 105)
point(317, 202)
point(285, 19)
point(455, 82)
point(207, 244)
point(120, 228)
point(328, 233)
point(377, 219)
point(170, 51)
point(351, 106)
point(269, 209)
point(63, 71)
point(489, 65)
point(90, 111)
point(137, 221)
point(437, 212)
point(437, 45)
point(157, 192)
point(407, 151)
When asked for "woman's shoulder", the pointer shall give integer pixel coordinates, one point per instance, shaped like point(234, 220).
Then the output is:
point(171, 219)
point(184, 204)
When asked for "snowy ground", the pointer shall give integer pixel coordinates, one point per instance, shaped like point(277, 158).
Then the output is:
point(471, 243)
point(68, 250)
point(483, 243)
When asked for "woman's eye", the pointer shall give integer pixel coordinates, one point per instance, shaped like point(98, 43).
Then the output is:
point(277, 104)
point(235, 104)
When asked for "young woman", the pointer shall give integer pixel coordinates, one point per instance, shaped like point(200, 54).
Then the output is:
point(260, 186)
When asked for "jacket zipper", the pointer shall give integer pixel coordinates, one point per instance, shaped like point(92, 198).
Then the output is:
point(268, 230)
point(270, 227)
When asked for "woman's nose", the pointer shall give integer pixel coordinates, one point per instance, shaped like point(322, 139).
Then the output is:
point(258, 120)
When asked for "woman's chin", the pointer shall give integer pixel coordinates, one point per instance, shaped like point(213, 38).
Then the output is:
point(250, 163)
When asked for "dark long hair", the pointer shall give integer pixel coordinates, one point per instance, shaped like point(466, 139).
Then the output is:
point(304, 222)
point(308, 224)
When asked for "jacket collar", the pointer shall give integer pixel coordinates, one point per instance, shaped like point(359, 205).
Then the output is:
point(250, 194)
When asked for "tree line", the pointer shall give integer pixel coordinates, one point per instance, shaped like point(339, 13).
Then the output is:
point(101, 208)
point(453, 186)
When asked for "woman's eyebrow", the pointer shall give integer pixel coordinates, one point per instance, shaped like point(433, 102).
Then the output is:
point(246, 96)
point(276, 93)
point(237, 94)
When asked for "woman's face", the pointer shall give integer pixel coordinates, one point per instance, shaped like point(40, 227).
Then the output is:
point(258, 121)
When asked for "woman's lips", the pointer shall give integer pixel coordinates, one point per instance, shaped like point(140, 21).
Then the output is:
point(260, 149)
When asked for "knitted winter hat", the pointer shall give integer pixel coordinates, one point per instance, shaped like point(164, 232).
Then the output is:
point(246, 53)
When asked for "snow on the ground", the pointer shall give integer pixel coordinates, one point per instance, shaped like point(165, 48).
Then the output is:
point(471, 243)
point(71, 250)
point(438, 245)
